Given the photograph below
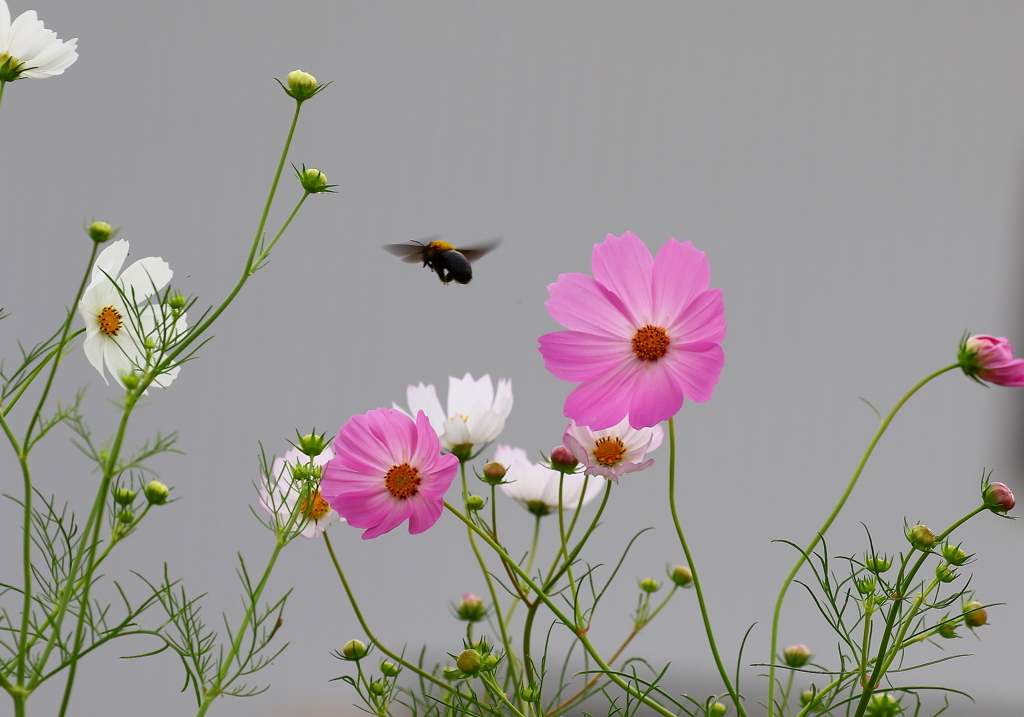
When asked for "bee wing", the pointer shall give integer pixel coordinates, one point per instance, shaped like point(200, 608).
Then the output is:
point(475, 251)
point(412, 252)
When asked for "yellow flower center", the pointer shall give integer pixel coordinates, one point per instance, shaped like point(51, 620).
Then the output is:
point(110, 320)
point(650, 343)
point(609, 450)
point(314, 507)
point(402, 481)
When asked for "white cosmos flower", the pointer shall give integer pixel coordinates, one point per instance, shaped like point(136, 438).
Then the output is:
point(613, 451)
point(279, 494)
point(536, 486)
point(27, 49)
point(116, 326)
point(475, 415)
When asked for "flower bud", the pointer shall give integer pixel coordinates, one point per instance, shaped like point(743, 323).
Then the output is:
point(489, 663)
point(865, 586)
point(474, 502)
point(469, 662)
point(998, 498)
point(796, 655)
point(130, 380)
point(650, 585)
point(124, 496)
point(390, 669)
point(452, 673)
point(177, 302)
point(718, 710)
point(378, 688)
point(921, 537)
point(494, 473)
point(471, 609)
point(883, 704)
point(529, 693)
point(947, 630)
point(809, 696)
point(974, 614)
point(156, 492)
point(302, 473)
point(354, 650)
point(313, 180)
point(100, 232)
point(990, 358)
point(681, 576)
point(954, 555)
point(878, 564)
point(301, 85)
point(312, 445)
point(945, 573)
point(126, 516)
point(563, 460)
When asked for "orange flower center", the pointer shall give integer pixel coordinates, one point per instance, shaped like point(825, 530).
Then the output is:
point(402, 481)
point(314, 507)
point(609, 450)
point(110, 320)
point(650, 343)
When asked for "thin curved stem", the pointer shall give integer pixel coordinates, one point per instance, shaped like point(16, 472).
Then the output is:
point(831, 518)
point(693, 569)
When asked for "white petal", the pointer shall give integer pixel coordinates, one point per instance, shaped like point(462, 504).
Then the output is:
point(465, 393)
point(109, 262)
point(5, 26)
point(424, 398)
point(93, 346)
point(145, 277)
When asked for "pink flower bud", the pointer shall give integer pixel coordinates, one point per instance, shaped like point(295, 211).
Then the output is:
point(998, 498)
point(796, 655)
point(990, 358)
point(471, 609)
point(563, 460)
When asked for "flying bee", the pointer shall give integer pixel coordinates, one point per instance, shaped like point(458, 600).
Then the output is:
point(449, 263)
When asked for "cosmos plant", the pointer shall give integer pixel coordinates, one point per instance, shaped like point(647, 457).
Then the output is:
point(641, 341)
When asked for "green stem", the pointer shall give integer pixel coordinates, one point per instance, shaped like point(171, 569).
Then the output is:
point(366, 628)
point(2, 83)
point(577, 616)
point(565, 620)
point(785, 693)
point(217, 687)
point(35, 372)
point(821, 532)
point(494, 689)
point(693, 569)
point(529, 565)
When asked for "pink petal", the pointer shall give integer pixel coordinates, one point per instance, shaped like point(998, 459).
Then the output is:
point(339, 480)
point(696, 367)
point(435, 483)
point(603, 401)
point(656, 395)
point(703, 319)
point(424, 514)
point(1012, 374)
point(396, 431)
point(623, 266)
point(578, 356)
point(680, 274)
point(580, 303)
point(362, 508)
point(400, 510)
point(358, 447)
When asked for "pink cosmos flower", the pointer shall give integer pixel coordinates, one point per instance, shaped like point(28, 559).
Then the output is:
point(388, 468)
point(613, 451)
point(643, 333)
point(990, 358)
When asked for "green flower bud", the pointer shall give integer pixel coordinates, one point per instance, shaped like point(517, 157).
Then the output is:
point(974, 614)
point(489, 663)
point(563, 460)
point(866, 586)
point(529, 693)
point(878, 564)
point(124, 496)
point(177, 302)
point(390, 669)
point(807, 697)
point(947, 629)
point(156, 492)
point(452, 673)
point(681, 576)
point(378, 688)
point(130, 380)
point(945, 573)
point(313, 181)
point(796, 655)
point(474, 502)
point(354, 650)
point(100, 232)
point(650, 585)
point(312, 445)
point(953, 554)
point(301, 85)
point(471, 609)
point(718, 710)
point(126, 516)
point(921, 537)
point(469, 662)
point(494, 473)
point(303, 473)
point(883, 704)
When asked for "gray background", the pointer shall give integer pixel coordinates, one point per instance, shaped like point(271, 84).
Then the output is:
point(853, 172)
